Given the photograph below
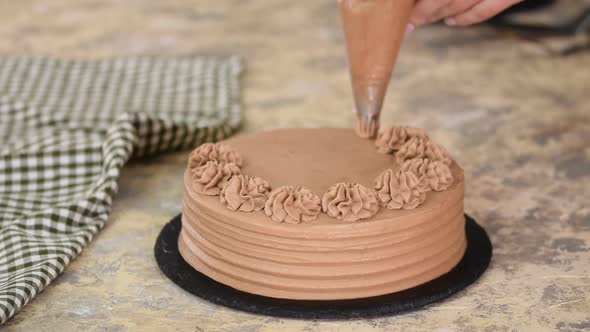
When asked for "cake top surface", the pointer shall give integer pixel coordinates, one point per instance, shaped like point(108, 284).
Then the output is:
point(314, 158)
point(318, 159)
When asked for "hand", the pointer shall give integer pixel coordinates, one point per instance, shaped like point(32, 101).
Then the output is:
point(456, 12)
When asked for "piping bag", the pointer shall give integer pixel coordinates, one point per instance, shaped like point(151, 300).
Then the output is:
point(374, 30)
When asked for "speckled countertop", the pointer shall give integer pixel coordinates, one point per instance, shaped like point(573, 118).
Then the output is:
point(517, 119)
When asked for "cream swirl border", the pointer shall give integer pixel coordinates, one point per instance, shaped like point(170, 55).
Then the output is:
point(423, 166)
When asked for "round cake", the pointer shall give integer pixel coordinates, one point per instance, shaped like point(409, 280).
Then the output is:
point(321, 214)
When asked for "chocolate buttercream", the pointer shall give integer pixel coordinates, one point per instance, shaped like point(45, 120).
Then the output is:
point(245, 193)
point(350, 202)
point(214, 152)
point(422, 147)
point(418, 166)
point(438, 176)
point(392, 138)
point(399, 190)
point(211, 177)
point(437, 152)
point(321, 259)
point(292, 205)
point(414, 148)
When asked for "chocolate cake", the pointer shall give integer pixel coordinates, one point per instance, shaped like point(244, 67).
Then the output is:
point(321, 214)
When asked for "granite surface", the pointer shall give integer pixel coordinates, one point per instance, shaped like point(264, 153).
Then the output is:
point(515, 117)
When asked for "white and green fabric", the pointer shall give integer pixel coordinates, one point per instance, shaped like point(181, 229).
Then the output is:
point(66, 129)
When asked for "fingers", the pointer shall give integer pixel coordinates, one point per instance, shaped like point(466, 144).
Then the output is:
point(480, 12)
point(454, 8)
point(456, 12)
point(425, 10)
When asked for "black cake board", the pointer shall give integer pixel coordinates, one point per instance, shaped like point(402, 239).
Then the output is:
point(475, 261)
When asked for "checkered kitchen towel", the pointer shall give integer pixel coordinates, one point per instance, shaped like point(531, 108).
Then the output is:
point(66, 129)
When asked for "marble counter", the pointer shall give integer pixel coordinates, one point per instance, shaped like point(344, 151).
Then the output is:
point(516, 118)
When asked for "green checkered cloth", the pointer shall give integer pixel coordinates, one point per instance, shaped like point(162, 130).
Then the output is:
point(67, 127)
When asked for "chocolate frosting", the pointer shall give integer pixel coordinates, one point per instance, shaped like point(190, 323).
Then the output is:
point(414, 148)
point(245, 193)
point(321, 259)
point(391, 139)
point(422, 147)
point(438, 176)
point(212, 176)
point(437, 152)
point(350, 202)
point(418, 166)
point(399, 190)
point(214, 151)
point(292, 205)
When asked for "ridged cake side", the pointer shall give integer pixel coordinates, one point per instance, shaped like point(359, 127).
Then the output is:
point(323, 261)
